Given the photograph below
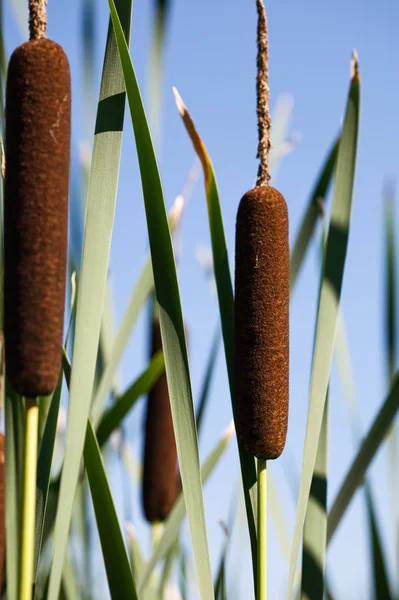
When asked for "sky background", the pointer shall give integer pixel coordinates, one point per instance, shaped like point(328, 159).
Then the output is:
point(210, 56)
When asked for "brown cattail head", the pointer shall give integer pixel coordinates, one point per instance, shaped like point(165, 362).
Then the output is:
point(160, 482)
point(38, 105)
point(261, 322)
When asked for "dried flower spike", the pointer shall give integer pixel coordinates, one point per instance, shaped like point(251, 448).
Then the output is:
point(160, 482)
point(262, 296)
point(38, 104)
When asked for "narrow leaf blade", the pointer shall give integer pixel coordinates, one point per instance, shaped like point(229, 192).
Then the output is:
point(171, 320)
point(119, 574)
point(328, 306)
point(92, 283)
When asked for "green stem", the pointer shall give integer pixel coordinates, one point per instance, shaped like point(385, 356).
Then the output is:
point(29, 500)
point(262, 530)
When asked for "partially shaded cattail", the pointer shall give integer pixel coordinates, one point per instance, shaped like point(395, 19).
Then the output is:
point(261, 322)
point(160, 482)
point(38, 105)
point(262, 295)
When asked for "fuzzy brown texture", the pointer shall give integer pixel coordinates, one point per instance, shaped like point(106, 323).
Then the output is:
point(2, 510)
point(160, 482)
point(262, 322)
point(38, 105)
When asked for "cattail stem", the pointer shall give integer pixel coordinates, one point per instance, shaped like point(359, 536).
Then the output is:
point(29, 500)
point(262, 531)
point(156, 533)
point(37, 19)
point(263, 96)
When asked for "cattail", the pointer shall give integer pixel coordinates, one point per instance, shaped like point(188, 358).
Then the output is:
point(261, 322)
point(38, 113)
point(160, 482)
point(262, 296)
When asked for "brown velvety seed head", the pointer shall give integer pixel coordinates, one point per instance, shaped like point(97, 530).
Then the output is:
point(160, 454)
point(262, 322)
point(38, 116)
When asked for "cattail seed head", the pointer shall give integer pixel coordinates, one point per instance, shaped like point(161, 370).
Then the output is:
point(160, 482)
point(38, 105)
point(262, 322)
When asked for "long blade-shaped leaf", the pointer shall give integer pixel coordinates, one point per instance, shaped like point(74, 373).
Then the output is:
point(14, 419)
point(45, 459)
point(328, 306)
point(365, 455)
point(120, 577)
point(391, 344)
point(172, 525)
point(171, 320)
point(380, 573)
point(206, 383)
point(143, 384)
point(92, 283)
point(315, 529)
point(140, 295)
point(142, 291)
point(313, 211)
point(226, 308)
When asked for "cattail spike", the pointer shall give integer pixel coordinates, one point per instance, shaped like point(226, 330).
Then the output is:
point(38, 104)
point(261, 322)
point(160, 482)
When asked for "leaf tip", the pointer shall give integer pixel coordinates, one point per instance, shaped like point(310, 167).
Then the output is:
point(181, 107)
point(229, 431)
point(355, 74)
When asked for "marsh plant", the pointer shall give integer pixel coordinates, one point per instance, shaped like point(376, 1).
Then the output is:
point(54, 356)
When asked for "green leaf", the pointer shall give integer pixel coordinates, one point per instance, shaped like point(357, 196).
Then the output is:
point(119, 574)
point(183, 574)
point(328, 310)
point(226, 309)
point(92, 283)
point(312, 214)
point(45, 459)
point(207, 380)
point(390, 284)
point(174, 521)
point(171, 320)
point(112, 418)
point(167, 568)
point(140, 295)
point(315, 528)
point(380, 573)
point(14, 419)
point(364, 456)
point(391, 343)
point(162, 9)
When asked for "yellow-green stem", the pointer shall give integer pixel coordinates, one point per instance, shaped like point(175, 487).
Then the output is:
point(262, 531)
point(29, 500)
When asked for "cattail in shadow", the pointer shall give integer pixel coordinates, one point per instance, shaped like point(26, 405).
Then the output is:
point(262, 296)
point(38, 107)
point(160, 481)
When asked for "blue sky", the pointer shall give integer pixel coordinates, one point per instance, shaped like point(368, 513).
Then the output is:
point(210, 57)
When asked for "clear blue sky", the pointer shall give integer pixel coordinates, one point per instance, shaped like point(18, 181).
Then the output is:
point(210, 57)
